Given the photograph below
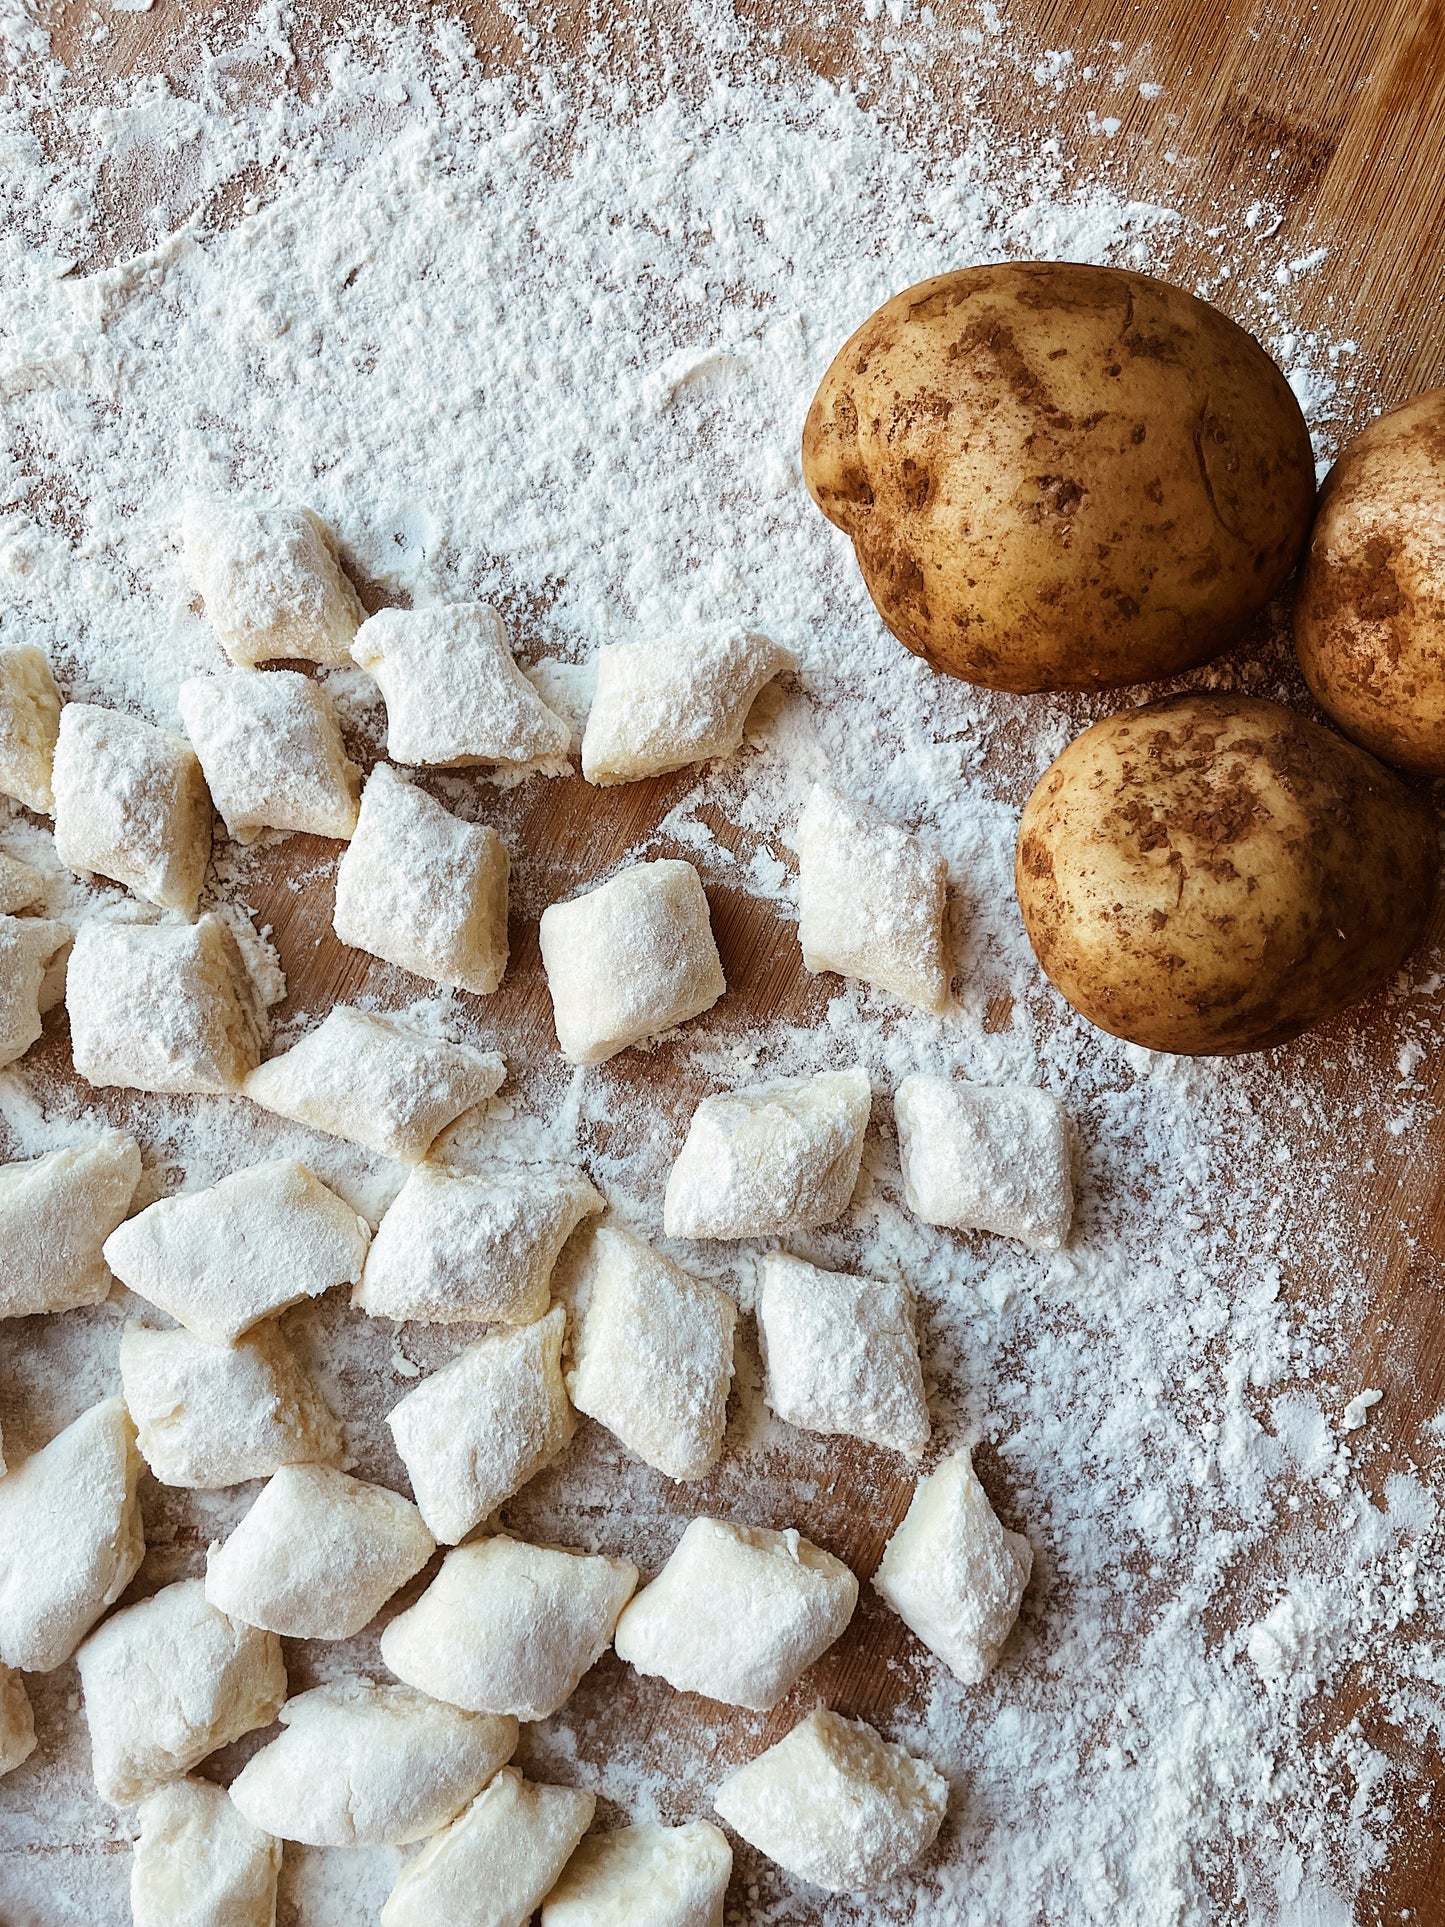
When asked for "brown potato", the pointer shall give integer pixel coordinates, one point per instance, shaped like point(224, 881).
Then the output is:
point(1061, 477)
point(1369, 621)
point(1212, 874)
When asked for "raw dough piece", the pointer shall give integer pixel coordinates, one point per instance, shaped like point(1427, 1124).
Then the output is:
point(493, 1866)
point(953, 1574)
point(509, 1628)
point(836, 1804)
point(131, 804)
point(71, 1537)
point(318, 1555)
point(472, 1250)
point(200, 1863)
point(840, 1354)
point(376, 1082)
point(361, 1765)
point(55, 1214)
point(17, 1722)
point(473, 1433)
point(167, 1682)
point(21, 884)
point(215, 1415)
point(271, 582)
point(661, 705)
point(770, 1160)
point(421, 889)
point(454, 694)
point(738, 1613)
point(644, 1876)
point(653, 1355)
point(271, 749)
point(872, 901)
point(29, 725)
point(29, 947)
point(222, 1259)
point(631, 958)
point(976, 1158)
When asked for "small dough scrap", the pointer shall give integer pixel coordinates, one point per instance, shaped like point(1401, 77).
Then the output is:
point(422, 889)
point(474, 1433)
point(644, 1876)
point(271, 582)
point(840, 1354)
point(21, 884)
point(493, 1866)
point(29, 946)
point(71, 1537)
point(271, 750)
point(216, 1415)
point(376, 1082)
point(17, 1721)
point(222, 1259)
point(738, 1613)
point(953, 1574)
point(131, 804)
point(653, 1355)
point(362, 1765)
point(29, 725)
point(662, 705)
point(168, 1681)
point(200, 1863)
point(456, 1249)
point(771, 1160)
point(837, 1804)
point(454, 694)
point(631, 958)
point(56, 1212)
point(318, 1555)
point(509, 1628)
point(977, 1158)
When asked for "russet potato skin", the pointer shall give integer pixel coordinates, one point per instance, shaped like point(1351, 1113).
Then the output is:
point(1369, 620)
point(1061, 477)
point(1212, 874)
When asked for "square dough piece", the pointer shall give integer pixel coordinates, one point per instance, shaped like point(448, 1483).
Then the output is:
point(56, 1212)
point(17, 1721)
point(975, 1158)
point(29, 725)
point(644, 1876)
point(421, 889)
point(738, 1613)
point(200, 1863)
point(271, 583)
point(131, 804)
point(662, 705)
point(29, 947)
point(271, 750)
point(21, 884)
point(837, 1804)
point(653, 1355)
point(630, 959)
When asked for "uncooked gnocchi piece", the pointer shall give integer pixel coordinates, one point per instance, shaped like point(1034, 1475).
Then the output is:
point(200, 1863)
point(738, 1613)
point(644, 1876)
point(661, 705)
point(17, 1721)
point(770, 1160)
point(509, 1628)
point(168, 1681)
point(836, 1804)
point(131, 804)
point(29, 725)
point(272, 586)
point(56, 1212)
point(21, 884)
point(29, 947)
point(474, 1433)
point(271, 750)
point(975, 1158)
point(318, 1555)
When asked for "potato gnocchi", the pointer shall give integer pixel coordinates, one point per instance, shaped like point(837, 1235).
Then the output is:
point(29, 949)
point(29, 725)
point(271, 752)
point(131, 804)
point(17, 1721)
point(56, 1213)
point(271, 583)
point(21, 884)
point(200, 1863)
point(644, 1876)
point(662, 705)
point(981, 1159)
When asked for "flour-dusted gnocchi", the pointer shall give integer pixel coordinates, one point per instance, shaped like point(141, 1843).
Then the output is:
point(131, 804)
point(457, 1249)
point(29, 725)
point(271, 750)
point(318, 1555)
point(976, 1158)
point(496, 1862)
point(454, 694)
point(661, 705)
point(954, 1574)
point(200, 1863)
point(222, 1259)
point(474, 1433)
point(56, 1212)
point(168, 1681)
point(644, 1876)
point(17, 1721)
point(509, 1628)
point(837, 1804)
point(840, 1354)
point(652, 1355)
point(29, 947)
point(770, 1160)
point(71, 1537)
point(362, 1765)
point(738, 1613)
point(376, 1082)
point(21, 884)
point(421, 889)
point(271, 583)
point(629, 959)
